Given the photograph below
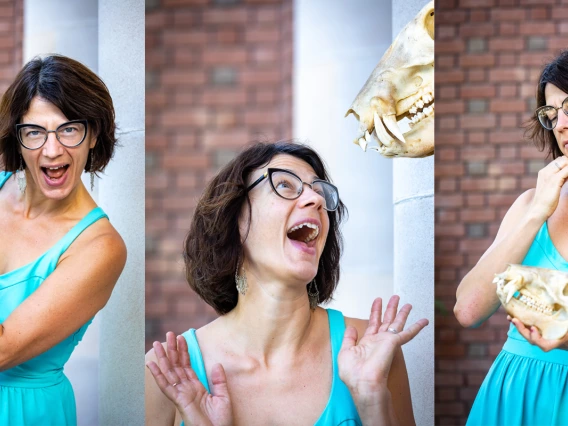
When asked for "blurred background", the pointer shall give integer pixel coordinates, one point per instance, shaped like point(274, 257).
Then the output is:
point(489, 55)
point(108, 37)
point(221, 74)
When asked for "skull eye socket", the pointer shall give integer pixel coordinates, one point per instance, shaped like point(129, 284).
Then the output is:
point(429, 24)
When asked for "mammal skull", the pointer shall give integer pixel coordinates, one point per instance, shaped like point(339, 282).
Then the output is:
point(401, 85)
point(536, 296)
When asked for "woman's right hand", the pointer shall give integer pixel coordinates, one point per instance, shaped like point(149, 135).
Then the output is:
point(549, 183)
point(177, 380)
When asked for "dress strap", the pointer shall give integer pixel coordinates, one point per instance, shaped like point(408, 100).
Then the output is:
point(336, 331)
point(63, 244)
point(4, 176)
point(195, 357)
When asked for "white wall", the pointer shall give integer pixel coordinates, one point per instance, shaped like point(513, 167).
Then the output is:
point(336, 46)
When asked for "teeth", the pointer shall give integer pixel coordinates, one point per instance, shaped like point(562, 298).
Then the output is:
point(390, 122)
point(312, 235)
point(382, 134)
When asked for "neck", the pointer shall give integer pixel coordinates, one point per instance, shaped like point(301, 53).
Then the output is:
point(35, 203)
point(272, 316)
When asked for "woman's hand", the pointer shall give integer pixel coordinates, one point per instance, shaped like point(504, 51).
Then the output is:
point(548, 185)
point(534, 337)
point(364, 367)
point(177, 380)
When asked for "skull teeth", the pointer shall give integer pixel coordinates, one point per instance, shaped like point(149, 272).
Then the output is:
point(421, 103)
point(535, 304)
point(312, 236)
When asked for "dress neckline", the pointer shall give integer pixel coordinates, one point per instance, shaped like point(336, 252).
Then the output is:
point(553, 247)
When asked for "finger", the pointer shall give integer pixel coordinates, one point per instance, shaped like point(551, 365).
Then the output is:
point(411, 331)
point(375, 318)
point(164, 364)
point(401, 317)
point(525, 332)
point(184, 352)
point(390, 313)
point(161, 380)
point(219, 382)
point(349, 338)
point(540, 341)
point(171, 344)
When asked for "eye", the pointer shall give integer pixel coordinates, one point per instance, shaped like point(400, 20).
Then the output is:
point(68, 130)
point(32, 133)
point(284, 184)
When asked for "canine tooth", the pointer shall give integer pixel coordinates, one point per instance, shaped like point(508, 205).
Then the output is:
point(390, 122)
point(362, 143)
point(382, 134)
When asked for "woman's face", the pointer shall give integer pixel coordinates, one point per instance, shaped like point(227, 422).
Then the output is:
point(53, 169)
point(554, 97)
point(272, 250)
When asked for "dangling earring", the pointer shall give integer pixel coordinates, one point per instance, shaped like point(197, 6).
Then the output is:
point(21, 177)
point(92, 172)
point(241, 280)
point(313, 294)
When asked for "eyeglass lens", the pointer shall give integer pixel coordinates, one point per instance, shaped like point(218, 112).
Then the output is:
point(289, 186)
point(548, 115)
point(69, 134)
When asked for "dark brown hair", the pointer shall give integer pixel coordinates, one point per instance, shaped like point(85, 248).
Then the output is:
point(556, 72)
point(70, 86)
point(213, 245)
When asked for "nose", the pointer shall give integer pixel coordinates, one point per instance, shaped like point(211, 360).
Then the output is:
point(309, 197)
point(52, 147)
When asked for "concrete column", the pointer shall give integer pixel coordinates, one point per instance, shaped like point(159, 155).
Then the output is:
point(337, 45)
point(413, 197)
point(121, 66)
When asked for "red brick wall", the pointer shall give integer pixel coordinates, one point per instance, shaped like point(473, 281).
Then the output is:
point(11, 34)
point(218, 75)
point(488, 57)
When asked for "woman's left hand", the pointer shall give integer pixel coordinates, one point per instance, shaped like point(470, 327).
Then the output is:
point(364, 367)
point(533, 336)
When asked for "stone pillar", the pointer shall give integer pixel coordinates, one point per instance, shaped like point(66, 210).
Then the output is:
point(121, 66)
point(413, 198)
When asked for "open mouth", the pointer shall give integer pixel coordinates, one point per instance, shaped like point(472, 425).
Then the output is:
point(524, 297)
point(305, 232)
point(55, 173)
point(386, 128)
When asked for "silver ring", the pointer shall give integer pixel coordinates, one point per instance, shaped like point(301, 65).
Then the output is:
point(557, 166)
point(175, 384)
point(393, 330)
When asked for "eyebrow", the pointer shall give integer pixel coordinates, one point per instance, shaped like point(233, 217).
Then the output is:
point(314, 177)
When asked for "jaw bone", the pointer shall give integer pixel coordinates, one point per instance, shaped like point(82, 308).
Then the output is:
point(537, 297)
point(401, 86)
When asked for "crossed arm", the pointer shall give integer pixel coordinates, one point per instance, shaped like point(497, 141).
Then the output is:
point(79, 287)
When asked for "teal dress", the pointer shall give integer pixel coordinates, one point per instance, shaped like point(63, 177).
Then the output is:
point(340, 408)
point(37, 393)
point(525, 385)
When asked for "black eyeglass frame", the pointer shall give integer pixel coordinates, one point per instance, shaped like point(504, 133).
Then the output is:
point(550, 106)
point(47, 132)
point(268, 173)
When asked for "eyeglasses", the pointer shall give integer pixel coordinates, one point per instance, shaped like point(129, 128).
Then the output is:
point(289, 186)
point(69, 134)
point(548, 115)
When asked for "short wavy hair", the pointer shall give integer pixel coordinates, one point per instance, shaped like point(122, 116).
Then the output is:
point(73, 88)
point(213, 245)
point(555, 72)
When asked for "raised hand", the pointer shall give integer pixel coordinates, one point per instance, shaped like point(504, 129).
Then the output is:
point(177, 380)
point(364, 367)
point(549, 183)
point(533, 336)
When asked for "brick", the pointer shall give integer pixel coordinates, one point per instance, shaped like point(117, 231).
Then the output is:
point(476, 45)
point(222, 16)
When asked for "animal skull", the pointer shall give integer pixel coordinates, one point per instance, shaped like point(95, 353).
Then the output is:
point(401, 85)
point(536, 296)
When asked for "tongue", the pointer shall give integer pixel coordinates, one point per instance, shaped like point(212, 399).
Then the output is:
point(55, 174)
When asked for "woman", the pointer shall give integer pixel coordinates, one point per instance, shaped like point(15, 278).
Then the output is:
point(263, 250)
point(528, 383)
point(60, 257)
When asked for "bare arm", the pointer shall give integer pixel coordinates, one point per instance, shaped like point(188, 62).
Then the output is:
point(78, 288)
point(476, 297)
point(160, 411)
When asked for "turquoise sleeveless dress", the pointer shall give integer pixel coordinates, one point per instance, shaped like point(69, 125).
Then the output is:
point(525, 385)
point(340, 408)
point(37, 393)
